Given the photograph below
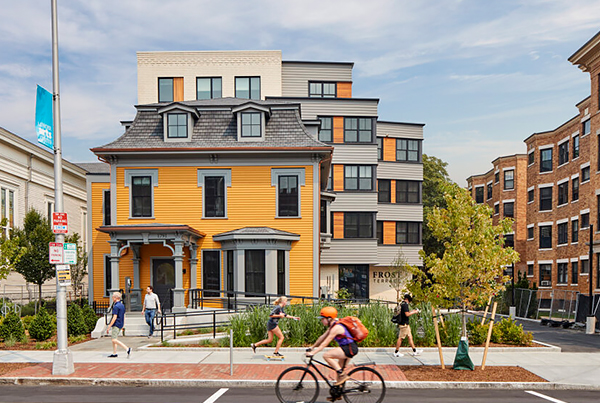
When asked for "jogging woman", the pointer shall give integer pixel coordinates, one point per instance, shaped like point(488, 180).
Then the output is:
point(273, 325)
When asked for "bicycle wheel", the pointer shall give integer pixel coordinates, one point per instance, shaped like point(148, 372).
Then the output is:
point(297, 384)
point(364, 386)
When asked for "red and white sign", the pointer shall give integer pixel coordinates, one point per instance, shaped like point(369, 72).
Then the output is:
point(59, 223)
point(56, 253)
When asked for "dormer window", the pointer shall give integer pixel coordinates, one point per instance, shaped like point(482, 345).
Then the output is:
point(251, 124)
point(178, 122)
point(177, 125)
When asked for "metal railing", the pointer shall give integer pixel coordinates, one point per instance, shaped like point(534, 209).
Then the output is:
point(168, 322)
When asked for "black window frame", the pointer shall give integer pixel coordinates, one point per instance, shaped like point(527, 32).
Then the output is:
point(402, 146)
point(574, 231)
point(323, 130)
point(145, 209)
point(359, 178)
point(575, 189)
point(576, 146)
point(530, 195)
point(321, 86)
point(358, 225)
point(545, 273)
point(585, 221)
point(478, 194)
point(563, 233)
point(379, 231)
point(509, 240)
point(161, 95)
point(562, 273)
point(585, 174)
point(563, 193)
point(379, 148)
point(254, 274)
point(106, 213)
point(214, 196)
point(586, 127)
point(489, 191)
point(212, 81)
point(384, 191)
point(352, 127)
point(496, 208)
point(177, 125)
point(281, 273)
point(531, 158)
point(510, 212)
point(546, 198)
point(546, 163)
point(251, 88)
point(509, 184)
point(497, 177)
point(408, 229)
point(358, 286)
point(288, 199)
point(530, 232)
point(563, 153)
point(545, 237)
point(107, 276)
point(211, 275)
point(575, 272)
point(409, 192)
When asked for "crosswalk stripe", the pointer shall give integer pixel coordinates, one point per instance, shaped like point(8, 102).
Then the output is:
point(216, 395)
point(544, 396)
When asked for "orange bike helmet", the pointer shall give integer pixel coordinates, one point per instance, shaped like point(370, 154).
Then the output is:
point(328, 312)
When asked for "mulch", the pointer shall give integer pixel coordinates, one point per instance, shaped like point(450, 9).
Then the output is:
point(30, 345)
point(435, 373)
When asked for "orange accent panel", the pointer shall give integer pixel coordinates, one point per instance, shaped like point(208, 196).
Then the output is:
point(338, 178)
point(389, 233)
point(389, 149)
point(344, 90)
point(338, 129)
point(178, 89)
point(393, 191)
point(338, 225)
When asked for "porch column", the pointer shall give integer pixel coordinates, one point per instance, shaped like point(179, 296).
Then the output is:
point(193, 266)
point(239, 272)
point(178, 291)
point(271, 271)
point(114, 267)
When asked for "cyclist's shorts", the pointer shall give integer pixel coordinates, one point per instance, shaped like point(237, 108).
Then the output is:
point(350, 349)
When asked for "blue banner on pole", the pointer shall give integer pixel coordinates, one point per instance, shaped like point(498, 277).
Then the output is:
point(44, 126)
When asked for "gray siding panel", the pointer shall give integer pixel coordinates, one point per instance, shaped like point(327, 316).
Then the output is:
point(295, 76)
point(386, 254)
point(311, 109)
point(355, 154)
point(355, 251)
point(355, 202)
point(400, 131)
point(399, 170)
point(399, 212)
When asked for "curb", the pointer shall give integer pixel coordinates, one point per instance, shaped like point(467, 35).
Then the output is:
point(43, 381)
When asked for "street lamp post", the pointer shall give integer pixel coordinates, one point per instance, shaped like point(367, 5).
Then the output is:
point(590, 327)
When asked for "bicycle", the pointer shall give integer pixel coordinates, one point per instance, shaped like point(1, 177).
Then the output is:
point(300, 384)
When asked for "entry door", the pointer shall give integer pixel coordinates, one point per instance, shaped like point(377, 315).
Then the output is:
point(163, 276)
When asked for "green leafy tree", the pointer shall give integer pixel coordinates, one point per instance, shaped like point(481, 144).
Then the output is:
point(42, 327)
point(75, 322)
point(79, 270)
point(10, 251)
point(471, 268)
point(35, 237)
point(435, 177)
point(12, 328)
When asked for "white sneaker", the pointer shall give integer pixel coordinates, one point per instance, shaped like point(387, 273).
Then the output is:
point(417, 352)
point(398, 354)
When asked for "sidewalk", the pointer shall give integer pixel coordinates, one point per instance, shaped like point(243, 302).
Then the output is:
point(194, 367)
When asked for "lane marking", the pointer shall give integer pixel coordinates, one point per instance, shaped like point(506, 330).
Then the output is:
point(544, 396)
point(216, 395)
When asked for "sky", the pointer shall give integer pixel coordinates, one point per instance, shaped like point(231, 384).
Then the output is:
point(482, 75)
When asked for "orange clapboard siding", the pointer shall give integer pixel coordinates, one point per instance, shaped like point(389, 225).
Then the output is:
point(338, 225)
point(389, 233)
point(338, 178)
point(99, 239)
point(344, 90)
point(338, 129)
point(251, 202)
point(393, 191)
point(178, 89)
point(389, 149)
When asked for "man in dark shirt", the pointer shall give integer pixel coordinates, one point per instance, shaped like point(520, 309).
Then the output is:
point(404, 327)
point(116, 324)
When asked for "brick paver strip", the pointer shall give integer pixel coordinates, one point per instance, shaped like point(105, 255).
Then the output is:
point(180, 371)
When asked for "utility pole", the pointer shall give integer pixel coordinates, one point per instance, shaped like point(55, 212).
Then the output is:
point(62, 363)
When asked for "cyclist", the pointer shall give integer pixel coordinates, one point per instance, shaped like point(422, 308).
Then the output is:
point(340, 356)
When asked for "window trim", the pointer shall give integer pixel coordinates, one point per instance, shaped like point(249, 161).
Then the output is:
point(212, 89)
point(504, 181)
point(275, 174)
point(172, 88)
point(249, 87)
point(420, 228)
point(321, 118)
point(129, 175)
point(104, 192)
point(358, 178)
point(358, 120)
point(202, 174)
point(420, 191)
point(320, 83)
point(389, 190)
point(10, 189)
point(359, 214)
point(221, 266)
point(419, 151)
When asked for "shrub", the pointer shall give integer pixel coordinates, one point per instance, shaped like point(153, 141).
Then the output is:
point(47, 345)
point(42, 327)
point(27, 321)
point(29, 308)
point(77, 339)
point(477, 332)
point(89, 317)
point(450, 330)
point(511, 333)
point(75, 322)
point(12, 328)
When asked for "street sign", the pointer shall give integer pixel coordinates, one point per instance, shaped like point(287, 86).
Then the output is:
point(63, 274)
point(69, 253)
point(59, 223)
point(56, 253)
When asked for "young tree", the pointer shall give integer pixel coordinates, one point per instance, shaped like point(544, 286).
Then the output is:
point(79, 270)
point(35, 237)
point(471, 268)
point(400, 271)
point(10, 251)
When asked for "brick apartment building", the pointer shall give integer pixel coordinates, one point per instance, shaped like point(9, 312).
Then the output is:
point(556, 192)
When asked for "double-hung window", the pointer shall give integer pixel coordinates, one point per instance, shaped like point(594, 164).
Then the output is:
point(247, 87)
point(545, 236)
point(586, 127)
point(575, 189)
point(408, 233)
point(380, 232)
point(408, 150)
point(562, 273)
point(106, 207)
point(214, 196)
point(358, 130)
point(509, 179)
point(177, 125)
point(384, 191)
point(575, 146)
point(7, 210)
point(326, 130)
point(408, 191)
point(546, 160)
point(288, 196)
point(251, 124)
point(574, 231)
point(358, 177)
point(546, 198)
point(574, 272)
point(585, 220)
point(379, 148)
point(141, 196)
point(563, 233)
point(209, 87)
point(585, 174)
point(545, 275)
point(479, 194)
point(254, 270)
point(530, 195)
point(531, 158)
point(509, 209)
point(321, 90)
point(358, 225)
point(563, 153)
point(489, 190)
point(563, 193)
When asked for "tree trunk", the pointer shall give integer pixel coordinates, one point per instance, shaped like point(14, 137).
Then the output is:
point(40, 293)
point(464, 321)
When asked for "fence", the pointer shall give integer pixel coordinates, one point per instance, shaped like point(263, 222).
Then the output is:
point(540, 304)
point(583, 310)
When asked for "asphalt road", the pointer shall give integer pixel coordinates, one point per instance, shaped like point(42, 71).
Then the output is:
point(569, 340)
point(93, 394)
